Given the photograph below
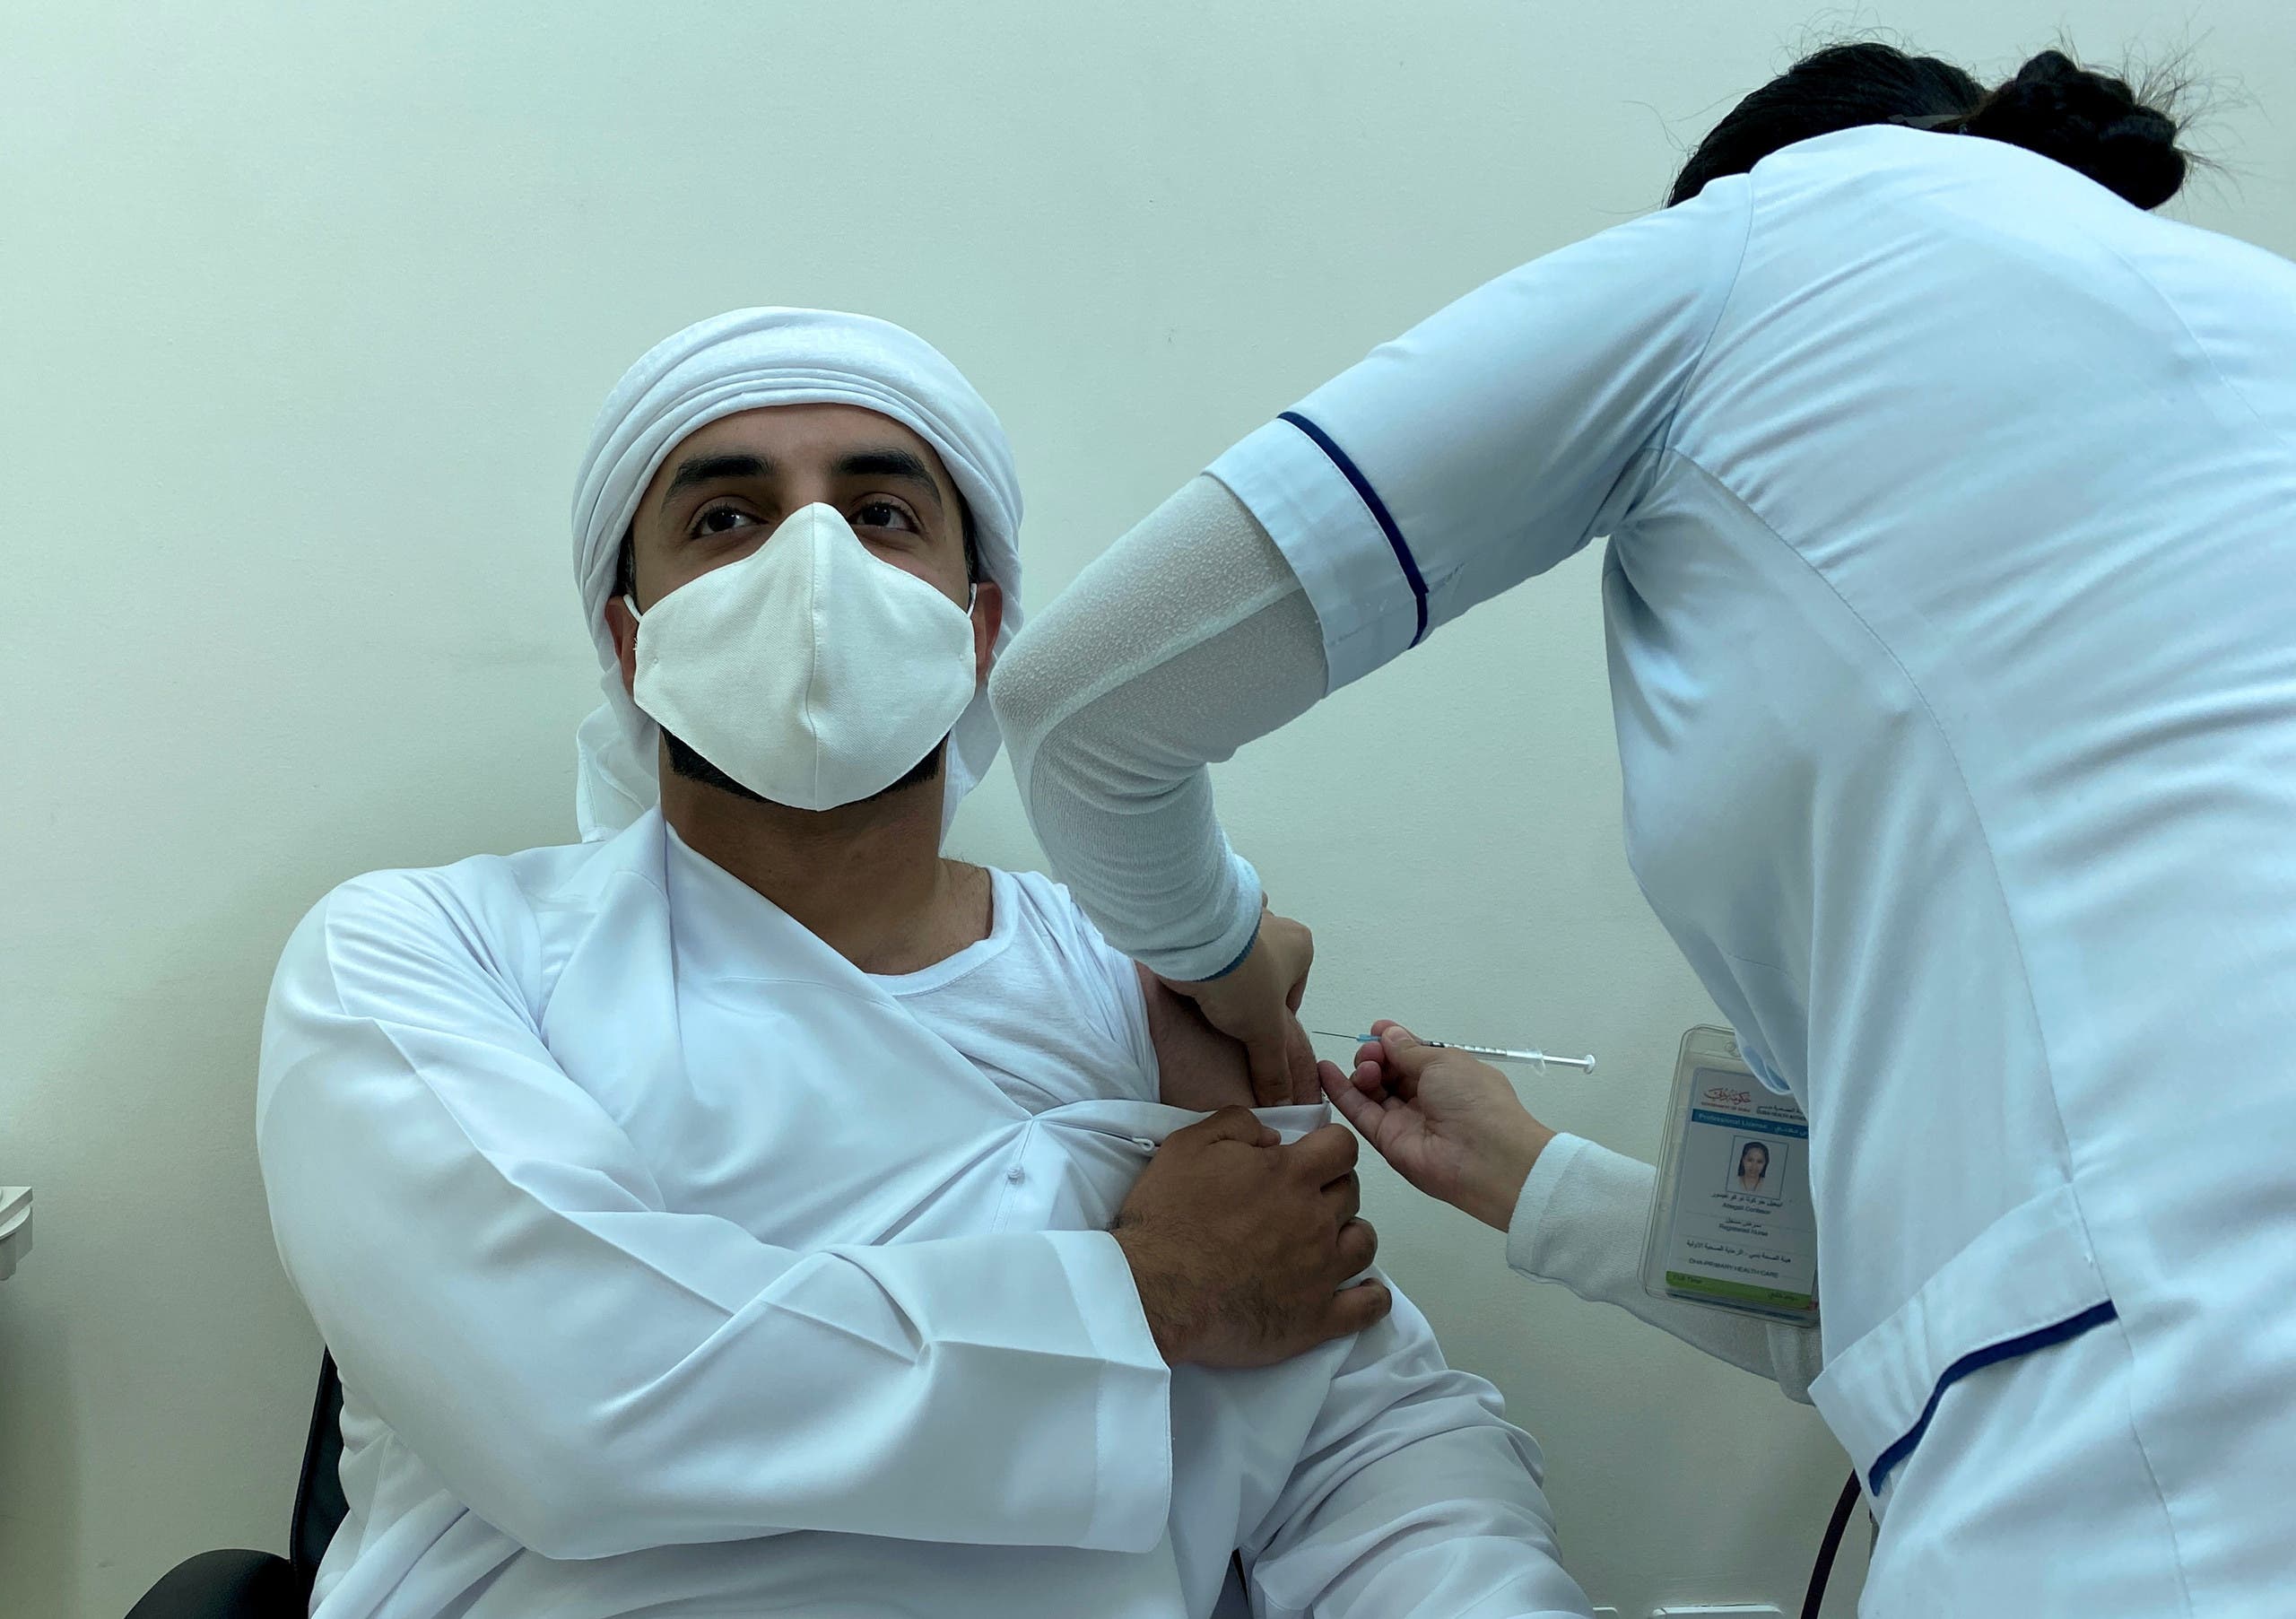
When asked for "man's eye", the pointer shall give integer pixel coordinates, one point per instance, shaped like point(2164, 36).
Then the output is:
point(721, 519)
point(884, 514)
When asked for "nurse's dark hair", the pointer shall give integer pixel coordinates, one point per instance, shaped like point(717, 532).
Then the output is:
point(2123, 139)
point(625, 563)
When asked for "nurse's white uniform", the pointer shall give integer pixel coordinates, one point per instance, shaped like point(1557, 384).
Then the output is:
point(675, 1267)
point(1952, 604)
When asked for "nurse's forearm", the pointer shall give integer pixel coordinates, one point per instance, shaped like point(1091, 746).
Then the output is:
point(1581, 1221)
point(1189, 638)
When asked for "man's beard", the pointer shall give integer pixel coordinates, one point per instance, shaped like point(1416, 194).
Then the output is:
point(694, 767)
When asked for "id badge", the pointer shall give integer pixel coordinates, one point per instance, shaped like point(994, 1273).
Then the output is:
point(1731, 1223)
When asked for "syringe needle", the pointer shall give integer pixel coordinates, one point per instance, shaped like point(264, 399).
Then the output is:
point(1501, 1054)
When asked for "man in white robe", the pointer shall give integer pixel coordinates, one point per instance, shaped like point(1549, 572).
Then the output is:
point(748, 1210)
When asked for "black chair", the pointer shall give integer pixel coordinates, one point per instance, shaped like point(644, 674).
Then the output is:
point(258, 1585)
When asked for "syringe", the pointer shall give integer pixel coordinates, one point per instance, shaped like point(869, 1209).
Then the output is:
point(1498, 1054)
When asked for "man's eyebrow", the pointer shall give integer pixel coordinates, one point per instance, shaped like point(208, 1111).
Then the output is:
point(890, 461)
point(717, 469)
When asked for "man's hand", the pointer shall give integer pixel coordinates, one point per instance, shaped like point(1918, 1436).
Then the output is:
point(1241, 1248)
point(1257, 1005)
point(1451, 1124)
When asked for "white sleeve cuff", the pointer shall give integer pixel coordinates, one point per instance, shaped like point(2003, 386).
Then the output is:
point(1581, 1221)
point(1226, 952)
point(1132, 1492)
point(1353, 573)
point(1527, 1230)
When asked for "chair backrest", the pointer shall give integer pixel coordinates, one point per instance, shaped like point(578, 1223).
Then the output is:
point(319, 1506)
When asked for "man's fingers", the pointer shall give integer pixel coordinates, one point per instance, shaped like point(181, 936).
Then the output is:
point(1359, 1245)
point(1323, 1155)
point(1229, 1124)
point(1345, 1198)
point(1354, 1309)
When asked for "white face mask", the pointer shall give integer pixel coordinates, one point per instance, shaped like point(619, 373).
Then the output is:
point(810, 671)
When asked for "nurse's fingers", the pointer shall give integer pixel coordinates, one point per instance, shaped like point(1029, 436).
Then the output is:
point(1369, 1077)
point(1376, 1080)
point(1329, 1074)
point(1358, 1104)
point(1374, 1050)
point(1360, 1110)
point(1404, 1053)
point(1270, 1057)
point(1254, 1004)
point(1301, 1060)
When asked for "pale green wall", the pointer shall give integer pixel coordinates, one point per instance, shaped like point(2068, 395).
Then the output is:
point(304, 310)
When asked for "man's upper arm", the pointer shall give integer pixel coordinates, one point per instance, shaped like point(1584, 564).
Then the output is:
point(1413, 1498)
point(1185, 1062)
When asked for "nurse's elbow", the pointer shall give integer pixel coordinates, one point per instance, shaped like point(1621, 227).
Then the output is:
point(1023, 689)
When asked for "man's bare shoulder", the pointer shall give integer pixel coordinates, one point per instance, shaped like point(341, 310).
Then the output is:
point(1197, 1066)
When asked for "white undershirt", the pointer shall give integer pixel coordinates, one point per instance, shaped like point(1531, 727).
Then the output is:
point(1041, 1006)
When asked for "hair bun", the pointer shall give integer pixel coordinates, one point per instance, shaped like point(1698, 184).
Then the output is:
point(2086, 121)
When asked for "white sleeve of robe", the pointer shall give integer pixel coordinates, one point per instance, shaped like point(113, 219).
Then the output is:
point(1414, 1498)
point(1581, 1221)
point(486, 1253)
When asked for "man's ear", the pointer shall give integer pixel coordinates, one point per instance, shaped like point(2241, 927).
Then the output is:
point(622, 625)
point(987, 619)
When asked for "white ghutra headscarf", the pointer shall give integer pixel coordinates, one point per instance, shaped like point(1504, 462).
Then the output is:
point(742, 362)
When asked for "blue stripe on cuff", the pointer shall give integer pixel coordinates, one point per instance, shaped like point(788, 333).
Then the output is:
point(1977, 1359)
point(1322, 440)
point(1239, 962)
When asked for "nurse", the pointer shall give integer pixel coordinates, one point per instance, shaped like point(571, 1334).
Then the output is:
point(1951, 506)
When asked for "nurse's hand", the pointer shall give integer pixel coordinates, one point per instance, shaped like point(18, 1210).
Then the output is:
point(1242, 1248)
point(1451, 1124)
point(1257, 1005)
